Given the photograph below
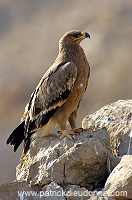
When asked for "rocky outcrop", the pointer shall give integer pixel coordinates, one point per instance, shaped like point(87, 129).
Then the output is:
point(79, 169)
point(82, 161)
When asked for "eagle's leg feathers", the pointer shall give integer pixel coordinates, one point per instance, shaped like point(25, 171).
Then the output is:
point(72, 119)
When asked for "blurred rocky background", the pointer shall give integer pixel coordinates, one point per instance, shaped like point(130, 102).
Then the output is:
point(29, 34)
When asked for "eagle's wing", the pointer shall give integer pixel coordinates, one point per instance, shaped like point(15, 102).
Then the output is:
point(51, 92)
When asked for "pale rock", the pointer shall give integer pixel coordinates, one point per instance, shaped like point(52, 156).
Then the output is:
point(119, 183)
point(52, 192)
point(82, 162)
point(18, 191)
point(117, 119)
point(75, 192)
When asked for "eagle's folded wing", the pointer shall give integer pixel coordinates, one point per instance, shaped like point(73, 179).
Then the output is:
point(51, 92)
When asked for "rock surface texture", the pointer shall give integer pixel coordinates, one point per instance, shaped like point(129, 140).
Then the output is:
point(93, 166)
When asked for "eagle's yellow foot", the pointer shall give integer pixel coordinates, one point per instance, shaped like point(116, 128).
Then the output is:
point(67, 134)
point(78, 130)
point(81, 129)
point(87, 129)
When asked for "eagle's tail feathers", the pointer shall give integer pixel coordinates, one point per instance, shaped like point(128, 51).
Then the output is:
point(17, 136)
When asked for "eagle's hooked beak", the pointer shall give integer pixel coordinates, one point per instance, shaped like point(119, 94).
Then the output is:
point(85, 35)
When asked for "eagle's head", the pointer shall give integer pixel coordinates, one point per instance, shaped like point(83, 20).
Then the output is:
point(73, 37)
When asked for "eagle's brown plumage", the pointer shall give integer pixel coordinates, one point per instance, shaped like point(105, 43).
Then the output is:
point(57, 97)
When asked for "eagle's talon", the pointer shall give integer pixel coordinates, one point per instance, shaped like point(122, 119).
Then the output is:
point(88, 129)
point(78, 131)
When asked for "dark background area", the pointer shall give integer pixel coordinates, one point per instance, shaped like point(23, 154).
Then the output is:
point(29, 34)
